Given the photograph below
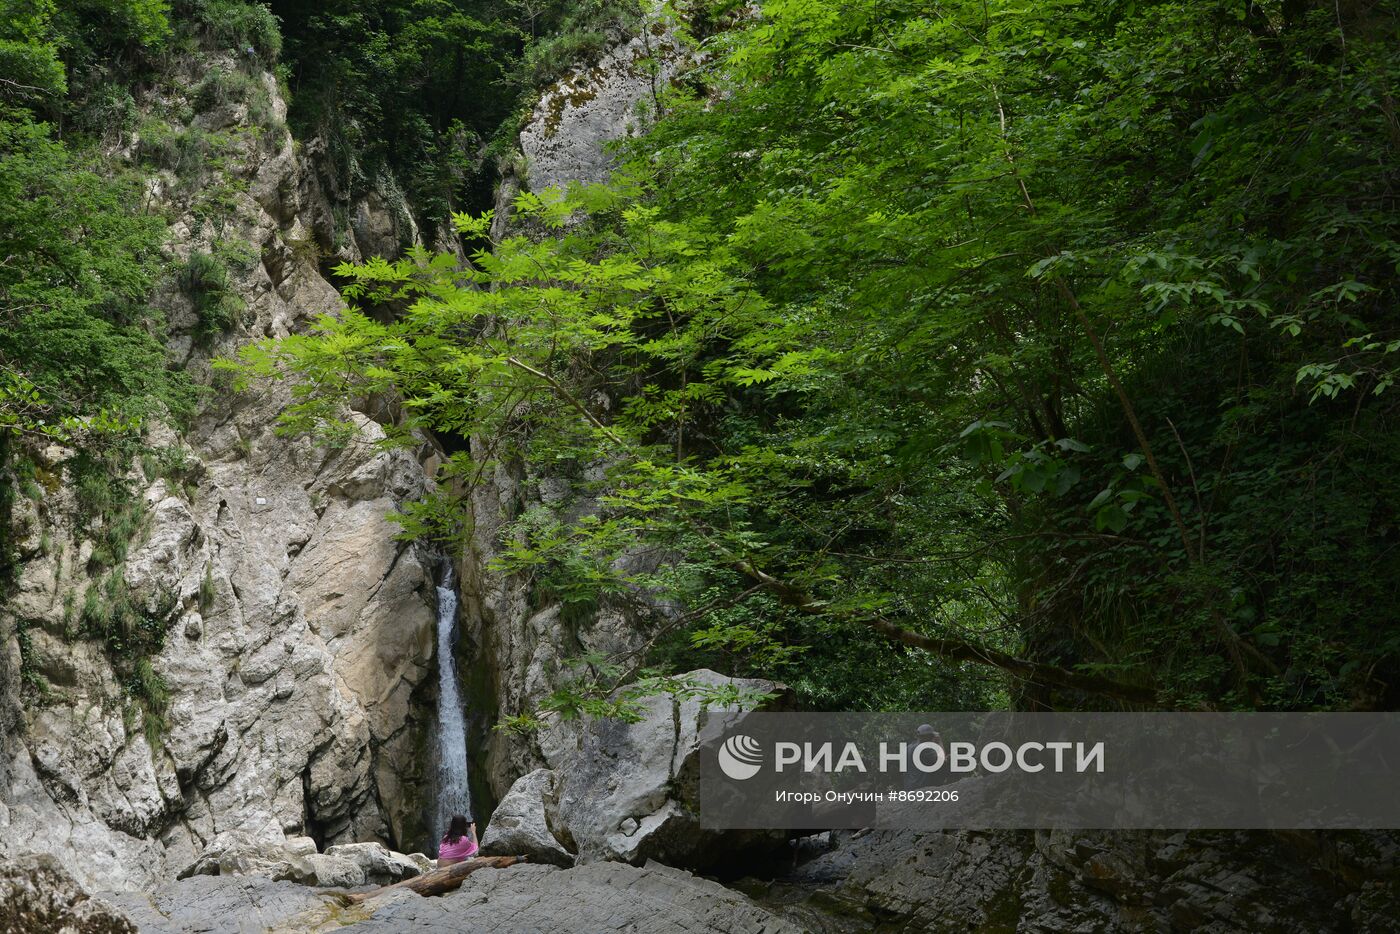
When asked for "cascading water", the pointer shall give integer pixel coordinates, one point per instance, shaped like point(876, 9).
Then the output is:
point(454, 797)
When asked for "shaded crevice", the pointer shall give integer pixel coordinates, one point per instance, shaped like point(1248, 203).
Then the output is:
point(311, 827)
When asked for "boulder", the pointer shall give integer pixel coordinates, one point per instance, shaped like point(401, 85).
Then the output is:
point(631, 793)
point(375, 863)
point(38, 894)
point(239, 854)
point(295, 859)
point(520, 825)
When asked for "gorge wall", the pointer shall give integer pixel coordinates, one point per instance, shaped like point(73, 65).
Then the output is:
point(300, 633)
point(299, 646)
point(300, 653)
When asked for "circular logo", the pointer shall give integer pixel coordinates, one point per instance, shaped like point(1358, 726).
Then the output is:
point(740, 757)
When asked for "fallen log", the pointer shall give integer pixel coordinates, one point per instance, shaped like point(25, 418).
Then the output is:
point(440, 881)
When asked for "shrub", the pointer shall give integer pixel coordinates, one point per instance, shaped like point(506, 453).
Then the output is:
point(131, 633)
point(551, 59)
point(578, 37)
point(236, 253)
point(206, 589)
point(108, 108)
point(241, 25)
point(150, 692)
point(184, 152)
point(97, 491)
point(204, 279)
point(222, 86)
point(305, 249)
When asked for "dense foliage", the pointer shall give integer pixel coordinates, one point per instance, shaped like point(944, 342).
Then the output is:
point(419, 87)
point(1056, 337)
point(1139, 261)
point(79, 340)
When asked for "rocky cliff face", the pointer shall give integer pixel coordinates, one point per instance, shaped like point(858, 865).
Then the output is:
point(300, 647)
point(300, 633)
point(520, 643)
point(565, 140)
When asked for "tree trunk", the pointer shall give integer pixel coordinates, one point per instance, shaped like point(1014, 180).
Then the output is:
point(444, 880)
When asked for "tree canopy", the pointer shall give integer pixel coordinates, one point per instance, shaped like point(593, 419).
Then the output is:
point(80, 347)
point(955, 353)
point(420, 88)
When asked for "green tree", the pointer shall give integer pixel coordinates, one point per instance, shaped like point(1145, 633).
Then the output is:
point(418, 87)
point(79, 341)
point(1050, 340)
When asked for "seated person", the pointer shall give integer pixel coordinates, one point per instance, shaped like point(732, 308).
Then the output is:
point(458, 843)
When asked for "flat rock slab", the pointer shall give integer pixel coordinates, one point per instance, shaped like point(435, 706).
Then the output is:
point(599, 897)
point(217, 905)
point(528, 899)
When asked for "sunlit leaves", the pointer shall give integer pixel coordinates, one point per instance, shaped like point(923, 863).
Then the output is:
point(866, 315)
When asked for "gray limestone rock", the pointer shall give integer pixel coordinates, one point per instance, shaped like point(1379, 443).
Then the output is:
point(300, 630)
point(217, 905)
point(520, 825)
point(346, 865)
point(631, 792)
point(599, 897)
point(376, 864)
point(38, 895)
point(564, 139)
point(238, 854)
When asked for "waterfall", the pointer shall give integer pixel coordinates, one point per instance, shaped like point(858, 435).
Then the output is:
point(453, 794)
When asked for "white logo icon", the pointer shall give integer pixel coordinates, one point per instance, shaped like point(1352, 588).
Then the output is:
point(740, 757)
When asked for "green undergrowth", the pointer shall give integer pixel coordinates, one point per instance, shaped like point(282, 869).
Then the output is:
point(112, 514)
point(131, 631)
point(204, 279)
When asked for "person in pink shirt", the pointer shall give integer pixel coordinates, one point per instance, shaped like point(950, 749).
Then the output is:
point(458, 843)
